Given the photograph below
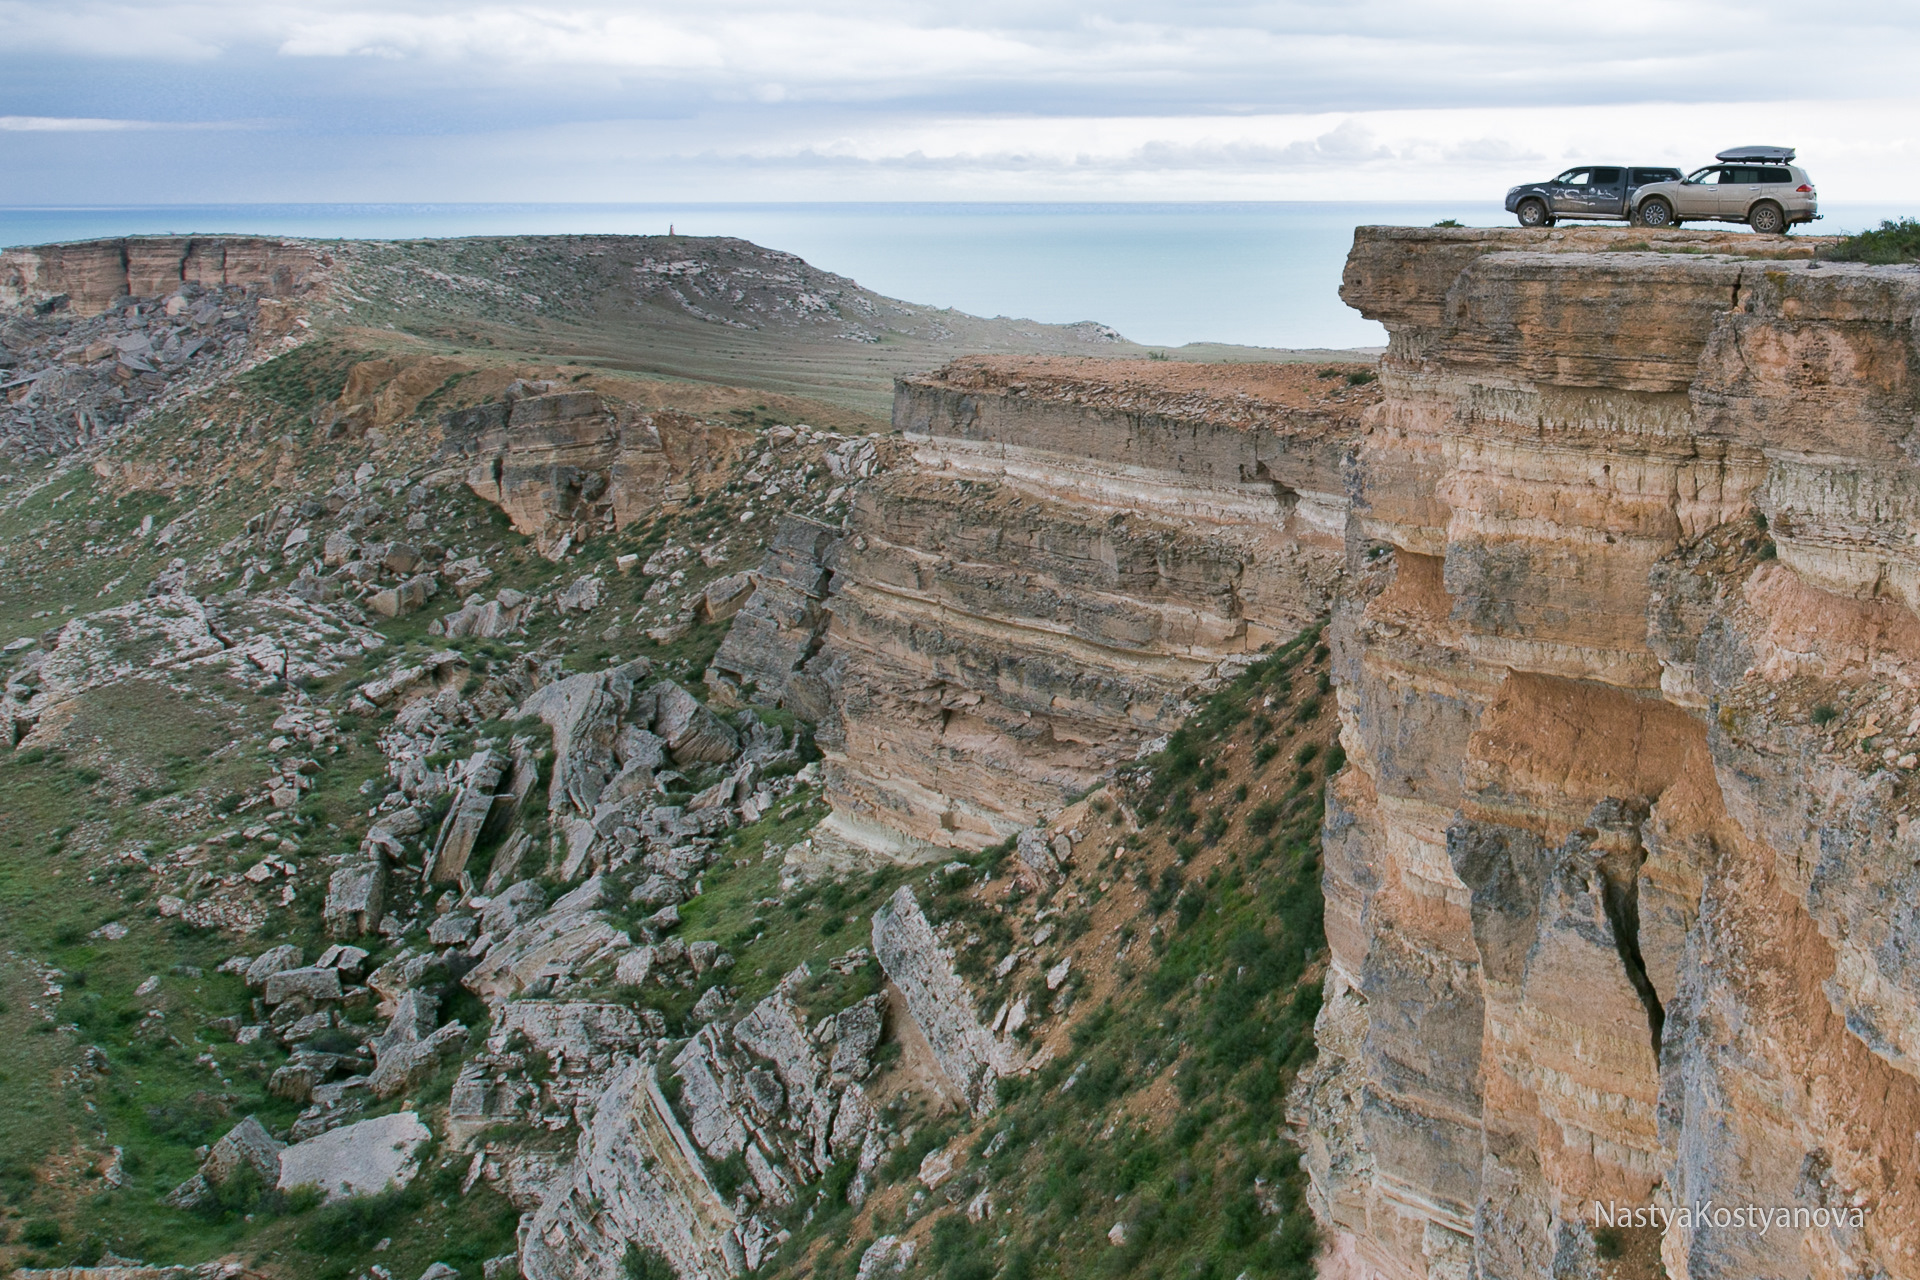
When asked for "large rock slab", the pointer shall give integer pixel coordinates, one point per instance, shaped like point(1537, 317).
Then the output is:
point(637, 1177)
point(360, 1159)
point(938, 1000)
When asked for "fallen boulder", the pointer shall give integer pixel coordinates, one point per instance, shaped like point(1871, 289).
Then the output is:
point(312, 982)
point(247, 1145)
point(360, 1159)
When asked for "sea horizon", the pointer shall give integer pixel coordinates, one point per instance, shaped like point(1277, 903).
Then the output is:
point(1250, 273)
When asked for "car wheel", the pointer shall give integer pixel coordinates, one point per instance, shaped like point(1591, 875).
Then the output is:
point(1533, 213)
point(1767, 219)
point(1654, 212)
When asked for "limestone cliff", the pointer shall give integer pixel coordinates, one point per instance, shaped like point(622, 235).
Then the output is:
point(90, 276)
point(1072, 551)
point(1619, 879)
point(567, 465)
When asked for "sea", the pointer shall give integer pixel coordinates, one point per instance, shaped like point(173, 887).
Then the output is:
point(1253, 274)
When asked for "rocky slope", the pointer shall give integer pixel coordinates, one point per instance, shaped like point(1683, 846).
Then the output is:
point(467, 810)
point(79, 355)
point(409, 797)
point(1617, 878)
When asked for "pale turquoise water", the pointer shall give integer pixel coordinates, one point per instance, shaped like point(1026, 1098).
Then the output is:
point(1260, 274)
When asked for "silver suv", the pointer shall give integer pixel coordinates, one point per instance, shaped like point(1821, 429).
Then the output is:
point(1759, 186)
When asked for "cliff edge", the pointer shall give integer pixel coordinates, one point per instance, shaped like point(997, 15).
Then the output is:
point(1619, 879)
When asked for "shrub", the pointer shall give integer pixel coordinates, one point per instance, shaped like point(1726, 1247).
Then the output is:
point(1190, 906)
point(1890, 242)
point(1166, 891)
point(1825, 714)
point(41, 1233)
point(1263, 817)
point(642, 1263)
point(729, 1176)
point(349, 1226)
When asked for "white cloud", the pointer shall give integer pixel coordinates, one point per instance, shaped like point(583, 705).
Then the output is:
point(1367, 53)
point(92, 124)
point(929, 99)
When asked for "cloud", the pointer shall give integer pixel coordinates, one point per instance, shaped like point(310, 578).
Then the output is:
point(853, 99)
point(1219, 55)
point(94, 124)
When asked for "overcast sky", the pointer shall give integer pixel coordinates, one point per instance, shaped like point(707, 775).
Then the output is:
point(176, 101)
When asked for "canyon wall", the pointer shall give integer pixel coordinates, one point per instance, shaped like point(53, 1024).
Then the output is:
point(1075, 548)
point(91, 274)
point(1620, 881)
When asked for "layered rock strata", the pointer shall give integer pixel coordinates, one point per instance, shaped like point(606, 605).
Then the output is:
point(94, 335)
point(567, 465)
point(1073, 551)
point(90, 275)
point(1619, 879)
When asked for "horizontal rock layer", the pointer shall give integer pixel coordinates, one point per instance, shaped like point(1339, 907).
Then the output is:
point(1073, 550)
point(569, 465)
point(1616, 879)
point(93, 273)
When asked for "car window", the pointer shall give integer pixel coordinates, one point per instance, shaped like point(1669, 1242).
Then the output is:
point(1709, 174)
point(1643, 176)
point(1775, 175)
point(1572, 178)
point(1606, 177)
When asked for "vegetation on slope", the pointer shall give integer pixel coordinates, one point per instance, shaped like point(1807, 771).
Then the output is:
point(1153, 1144)
point(123, 1061)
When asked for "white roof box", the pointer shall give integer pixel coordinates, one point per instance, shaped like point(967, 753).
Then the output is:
point(1775, 155)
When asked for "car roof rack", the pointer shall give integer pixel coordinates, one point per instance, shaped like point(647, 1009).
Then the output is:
point(1779, 155)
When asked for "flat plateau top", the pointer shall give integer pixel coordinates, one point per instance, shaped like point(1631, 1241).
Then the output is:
point(1235, 393)
point(1589, 238)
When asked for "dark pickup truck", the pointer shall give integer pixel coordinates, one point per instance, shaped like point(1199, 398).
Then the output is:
point(1600, 191)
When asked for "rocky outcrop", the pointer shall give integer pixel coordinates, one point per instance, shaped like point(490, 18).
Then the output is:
point(779, 626)
point(1627, 670)
point(568, 465)
point(247, 1145)
point(764, 1091)
point(93, 335)
point(637, 1177)
point(939, 1002)
point(92, 274)
point(1071, 554)
point(357, 1159)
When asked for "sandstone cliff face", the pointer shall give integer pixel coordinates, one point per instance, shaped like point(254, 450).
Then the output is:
point(93, 273)
point(567, 465)
point(1620, 880)
point(1072, 551)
